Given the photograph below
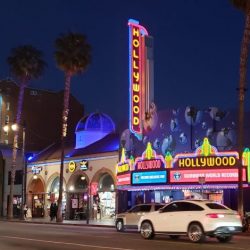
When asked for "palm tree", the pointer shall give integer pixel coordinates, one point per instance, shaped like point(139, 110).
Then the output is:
point(73, 55)
point(25, 64)
point(243, 5)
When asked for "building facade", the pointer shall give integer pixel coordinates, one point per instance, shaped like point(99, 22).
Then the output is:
point(42, 111)
point(89, 172)
point(42, 120)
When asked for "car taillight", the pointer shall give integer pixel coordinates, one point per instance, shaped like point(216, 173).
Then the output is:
point(215, 215)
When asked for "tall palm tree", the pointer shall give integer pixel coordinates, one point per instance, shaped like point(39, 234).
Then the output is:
point(73, 55)
point(25, 63)
point(243, 5)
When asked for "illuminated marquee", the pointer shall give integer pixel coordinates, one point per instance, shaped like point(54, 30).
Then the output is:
point(136, 68)
point(210, 175)
point(149, 177)
point(213, 161)
point(123, 167)
point(149, 160)
point(206, 156)
point(124, 179)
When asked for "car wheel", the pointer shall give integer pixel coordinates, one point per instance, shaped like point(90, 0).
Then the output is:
point(224, 239)
point(195, 233)
point(119, 225)
point(147, 231)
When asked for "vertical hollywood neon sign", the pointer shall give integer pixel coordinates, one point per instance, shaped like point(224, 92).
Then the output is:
point(136, 71)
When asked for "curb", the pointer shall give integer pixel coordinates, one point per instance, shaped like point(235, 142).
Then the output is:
point(59, 223)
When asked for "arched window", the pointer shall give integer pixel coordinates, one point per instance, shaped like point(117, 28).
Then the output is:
point(55, 185)
point(106, 183)
point(81, 182)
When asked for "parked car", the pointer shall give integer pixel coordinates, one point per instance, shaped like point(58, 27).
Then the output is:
point(194, 218)
point(130, 219)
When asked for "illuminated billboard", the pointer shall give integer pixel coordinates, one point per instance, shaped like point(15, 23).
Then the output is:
point(123, 179)
point(149, 177)
point(210, 175)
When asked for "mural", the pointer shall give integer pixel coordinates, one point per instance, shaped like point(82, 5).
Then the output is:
point(183, 129)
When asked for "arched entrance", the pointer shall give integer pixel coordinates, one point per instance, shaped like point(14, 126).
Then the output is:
point(36, 197)
point(77, 196)
point(106, 196)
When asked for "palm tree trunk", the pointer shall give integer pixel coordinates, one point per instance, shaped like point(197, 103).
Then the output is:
point(64, 134)
point(14, 150)
point(242, 89)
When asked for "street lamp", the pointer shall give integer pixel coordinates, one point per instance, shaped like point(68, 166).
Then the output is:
point(15, 127)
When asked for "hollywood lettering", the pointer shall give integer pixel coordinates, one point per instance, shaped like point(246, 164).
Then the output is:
point(121, 168)
point(149, 164)
point(208, 161)
point(136, 88)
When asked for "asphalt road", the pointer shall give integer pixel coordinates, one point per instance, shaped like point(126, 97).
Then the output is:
point(27, 236)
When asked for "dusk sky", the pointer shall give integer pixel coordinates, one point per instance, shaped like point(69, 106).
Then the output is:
point(196, 46)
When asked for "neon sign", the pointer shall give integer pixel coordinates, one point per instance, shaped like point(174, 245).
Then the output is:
point(124, 164)
point(136, 67)
point(217, 161)
point(210, 175)
point(124, 179)
point(149, 160)
point(149, 177)
point(206, 156)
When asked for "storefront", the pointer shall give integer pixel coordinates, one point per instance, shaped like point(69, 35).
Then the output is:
point(89, 172)
point(204, 174)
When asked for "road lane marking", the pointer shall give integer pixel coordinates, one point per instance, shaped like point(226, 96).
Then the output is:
point(65, 243)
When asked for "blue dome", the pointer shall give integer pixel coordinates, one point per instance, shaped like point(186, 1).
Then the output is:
point(96, 122)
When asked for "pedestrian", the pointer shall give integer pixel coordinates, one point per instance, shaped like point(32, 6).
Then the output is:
point(25, 209)
point(53, 211)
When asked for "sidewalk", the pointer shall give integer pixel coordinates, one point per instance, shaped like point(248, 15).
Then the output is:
point(46, 220)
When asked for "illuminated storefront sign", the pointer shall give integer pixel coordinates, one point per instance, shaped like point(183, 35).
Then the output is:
point(149, 177)
point(136, 67)
point(152, 164)
point(149, 160)
point(123, 167)
point(206, 156)
point(84, 165)
point(72, 166)
point(208, 161)
point(36, 170)
point(124, 179)
point(211, 175)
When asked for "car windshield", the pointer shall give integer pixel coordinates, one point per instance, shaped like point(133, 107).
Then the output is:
point(216, 206)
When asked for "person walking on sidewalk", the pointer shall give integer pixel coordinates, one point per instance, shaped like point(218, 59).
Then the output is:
point(25, 209)
point(53, 211)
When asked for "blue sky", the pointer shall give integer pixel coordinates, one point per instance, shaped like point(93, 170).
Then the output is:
point(196, 46)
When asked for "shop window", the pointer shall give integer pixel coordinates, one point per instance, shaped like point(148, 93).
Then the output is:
point(18, 177)
point(55, 185)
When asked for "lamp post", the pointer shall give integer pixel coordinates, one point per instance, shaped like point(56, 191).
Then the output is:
point(15, 127)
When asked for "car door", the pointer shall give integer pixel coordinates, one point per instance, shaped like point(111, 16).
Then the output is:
point(188, 212)
point(135, 214)
point(165, 219)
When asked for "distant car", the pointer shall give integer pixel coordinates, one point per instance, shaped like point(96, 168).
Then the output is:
point(194, 218)
point(130, 219)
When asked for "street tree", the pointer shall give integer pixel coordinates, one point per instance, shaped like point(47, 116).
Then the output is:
point(243, 5)
point(72, 55)
point(26, 63)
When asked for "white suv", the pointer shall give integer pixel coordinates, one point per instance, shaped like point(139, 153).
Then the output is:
point(130, 219)
point(194, 218)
